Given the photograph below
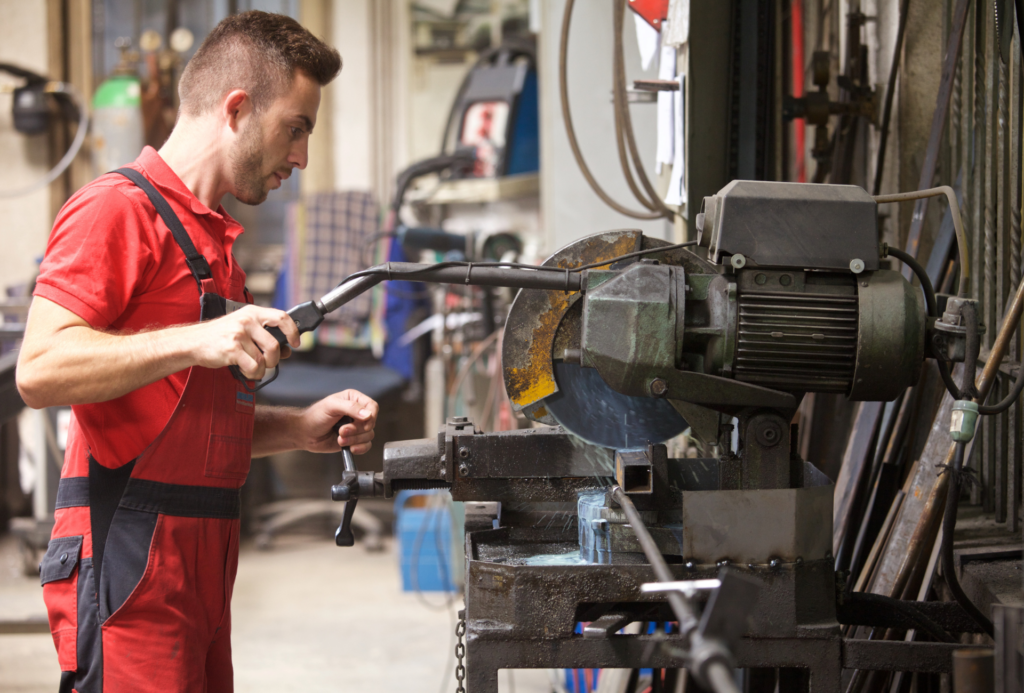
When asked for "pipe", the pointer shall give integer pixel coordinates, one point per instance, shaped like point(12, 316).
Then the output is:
point(958, 224)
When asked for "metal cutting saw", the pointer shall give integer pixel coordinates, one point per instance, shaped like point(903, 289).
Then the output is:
point(582, 525)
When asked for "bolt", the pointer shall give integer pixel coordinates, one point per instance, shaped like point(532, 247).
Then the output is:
point(856, 265)
point(750, 565)
point(774, 563)
point(689, 565)
point(463, 453)
point(659, 388)
point(738, 261)
point(722, 563)
point(464, 470)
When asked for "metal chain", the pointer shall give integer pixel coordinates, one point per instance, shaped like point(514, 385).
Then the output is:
point(460, 653)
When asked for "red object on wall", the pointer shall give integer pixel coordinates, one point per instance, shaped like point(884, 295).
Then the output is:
point(796, 14)
point(653, 11)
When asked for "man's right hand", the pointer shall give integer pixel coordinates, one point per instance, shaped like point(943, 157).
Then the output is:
point(63, 360)
point(240, 339)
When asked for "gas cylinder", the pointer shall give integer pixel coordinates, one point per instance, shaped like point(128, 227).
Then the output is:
point(117, 128)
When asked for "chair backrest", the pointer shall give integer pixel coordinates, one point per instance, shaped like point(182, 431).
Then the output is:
point(327, 239)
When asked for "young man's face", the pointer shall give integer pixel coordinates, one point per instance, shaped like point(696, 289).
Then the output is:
point(272, 144)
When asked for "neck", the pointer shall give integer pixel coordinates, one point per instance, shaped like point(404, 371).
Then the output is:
point(193, 153)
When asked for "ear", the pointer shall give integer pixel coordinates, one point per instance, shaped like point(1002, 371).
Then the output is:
point(235, 107)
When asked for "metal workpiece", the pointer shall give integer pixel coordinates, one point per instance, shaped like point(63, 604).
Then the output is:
point(606, 537)
point(890, 336)
point(793, 225)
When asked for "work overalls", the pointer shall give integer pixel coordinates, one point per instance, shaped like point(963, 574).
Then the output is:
point(138, 576)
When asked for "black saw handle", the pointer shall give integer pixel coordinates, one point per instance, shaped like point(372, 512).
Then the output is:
point(347, 490)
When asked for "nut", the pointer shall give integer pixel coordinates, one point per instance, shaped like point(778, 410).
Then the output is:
point(658, 387)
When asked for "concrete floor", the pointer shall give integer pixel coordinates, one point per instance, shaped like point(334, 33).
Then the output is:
point(307, 615)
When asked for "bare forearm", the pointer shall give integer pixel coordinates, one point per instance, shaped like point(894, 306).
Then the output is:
point(83, 365)
point(64, 360)
point(276, 429)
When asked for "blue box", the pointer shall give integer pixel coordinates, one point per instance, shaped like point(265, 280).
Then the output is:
point(424, 543)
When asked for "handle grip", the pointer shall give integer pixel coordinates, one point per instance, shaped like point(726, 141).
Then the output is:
point(343, 535)
point(277, 334)
point(348, 490)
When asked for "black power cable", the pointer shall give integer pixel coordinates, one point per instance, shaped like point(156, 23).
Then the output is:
point(907, 608)
point(948, 525)
point(931, 306)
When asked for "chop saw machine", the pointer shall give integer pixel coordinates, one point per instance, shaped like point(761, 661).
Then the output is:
point(619, 342)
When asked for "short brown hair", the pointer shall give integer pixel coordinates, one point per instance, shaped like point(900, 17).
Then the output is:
point(255, 51)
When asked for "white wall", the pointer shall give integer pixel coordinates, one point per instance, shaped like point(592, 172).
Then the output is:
point(352, 96)
point(25, 221)
point(569, 208)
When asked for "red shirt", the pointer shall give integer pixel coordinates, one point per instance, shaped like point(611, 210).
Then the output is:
point(112, 261)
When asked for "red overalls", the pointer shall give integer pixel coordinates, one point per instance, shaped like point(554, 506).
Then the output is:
point(138, 574)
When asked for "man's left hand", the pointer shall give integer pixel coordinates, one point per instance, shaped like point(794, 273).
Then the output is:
point(318, 419)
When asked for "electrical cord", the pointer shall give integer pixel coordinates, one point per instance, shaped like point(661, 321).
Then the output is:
point(1000, 407)
point(57, 88)
point(908, 609)
point(948, 525)
point(392, 273)
point(931, 306)
point(624, 132)
point(958, 224)
point(563, 92)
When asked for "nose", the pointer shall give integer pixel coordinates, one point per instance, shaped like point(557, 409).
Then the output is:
point(299, 155)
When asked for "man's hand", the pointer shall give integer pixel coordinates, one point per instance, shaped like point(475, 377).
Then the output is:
point(240, 339)
point(64, 361)
point(316, 421)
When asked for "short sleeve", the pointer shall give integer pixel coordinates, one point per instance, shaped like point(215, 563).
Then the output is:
point(100, 254)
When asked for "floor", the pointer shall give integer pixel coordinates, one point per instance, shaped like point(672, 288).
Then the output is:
point(308, 617)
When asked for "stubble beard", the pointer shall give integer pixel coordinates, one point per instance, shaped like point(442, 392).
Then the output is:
point(247, 162)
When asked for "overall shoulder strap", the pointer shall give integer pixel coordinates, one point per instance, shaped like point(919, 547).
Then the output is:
point(196, 262)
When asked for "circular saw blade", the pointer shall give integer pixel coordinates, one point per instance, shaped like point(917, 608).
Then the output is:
point(587, 407)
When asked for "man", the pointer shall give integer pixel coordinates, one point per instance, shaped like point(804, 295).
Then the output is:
point(139, 571)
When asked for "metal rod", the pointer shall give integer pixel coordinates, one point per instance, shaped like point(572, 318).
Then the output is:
point(719, 676)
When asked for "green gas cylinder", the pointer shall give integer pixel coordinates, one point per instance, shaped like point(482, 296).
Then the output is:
point(117, 127)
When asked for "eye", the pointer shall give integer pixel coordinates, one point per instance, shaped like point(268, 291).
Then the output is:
point(295, 132)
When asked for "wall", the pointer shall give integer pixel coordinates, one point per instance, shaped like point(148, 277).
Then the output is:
point(569, 208)
point(352, 97)
point(24, 221)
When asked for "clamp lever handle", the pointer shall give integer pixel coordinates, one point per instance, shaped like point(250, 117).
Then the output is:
point(347, 490)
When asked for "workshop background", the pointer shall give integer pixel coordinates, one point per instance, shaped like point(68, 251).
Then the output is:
point(827, 91)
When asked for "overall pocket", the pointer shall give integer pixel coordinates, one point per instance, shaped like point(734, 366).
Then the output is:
point(229, 452)
point(59, 577)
